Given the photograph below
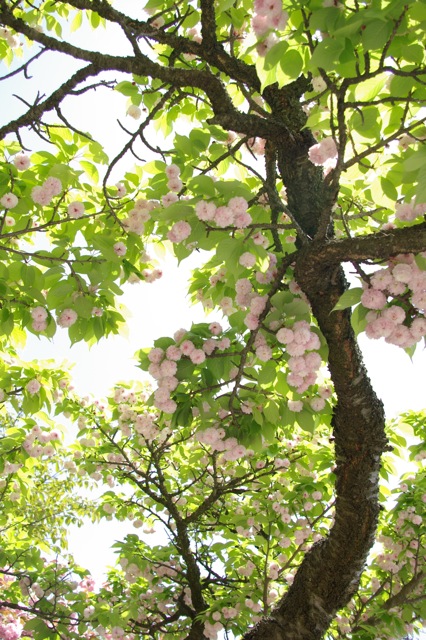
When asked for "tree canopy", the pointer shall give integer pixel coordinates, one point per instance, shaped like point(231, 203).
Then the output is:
point(283, 144)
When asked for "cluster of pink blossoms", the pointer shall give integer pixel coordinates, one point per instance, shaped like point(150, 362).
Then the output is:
point(174, 183)
point(163, 365)
point(135, 221)
point(298, 340)
point(301, 344)
point(33, 443)
point(268, 15)
point(401, 324)
point(234, 214)
point(246, 298)
point(408, 211)
point(211, 630)
point(10, 629)
point(39, 316)
point(215, 438)
point(49, 189)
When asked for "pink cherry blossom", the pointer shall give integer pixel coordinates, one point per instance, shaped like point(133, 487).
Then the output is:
point(121, 189)
point(373, 299)
point(242, 220)
point(394, 313)
point(197, 356)
point(381, 279)
point(238, 205)
point(251, 321)
point(187, 347)
point(243, 285)
point(403, 273)
point(179, 334)
point(418, 328)
point(120, 249)
point(156, 355)
point(53, 186)
point(224, 216)
point(205, 211)
point(33, 387)
point(258, 304)
point(247, 260)
point(175, 184)
point(172, 171)
point(317, 404)
point(379, 328)
point(21, 161)
point(313, 361)
point(259, 239)
point(266, 45)
point(323, 151)
point(401, 336)
point(295, 405)
point(168, 368)
point(264, 353)
point(9, 201)
point(41, 196)
point(39, 325)
point(260, 25)
point(39, 313)
point(67, 318)
point(215, 328)
point(285, 336)
point(75, 210)
point(405, 212)
point(209, 346)
point(169, 199)
point(180, 231)
point(173, 353)
point(418, 299)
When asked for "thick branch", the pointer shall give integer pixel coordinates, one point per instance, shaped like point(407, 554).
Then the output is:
point(35, 113)
point(375, 246)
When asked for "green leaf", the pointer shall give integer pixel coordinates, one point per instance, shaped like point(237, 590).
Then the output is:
point(202, 186)
point(291, 64)
point(326, 54)
point(416, 160)
point(272, 412)
point(267, 374)
point(358, 319)
point(367, 122)
point(389, 189)
point(77, 21)
point(376, 34)
point(306, 421)
point(275, 55)
point(348, 299)
point(126, 88)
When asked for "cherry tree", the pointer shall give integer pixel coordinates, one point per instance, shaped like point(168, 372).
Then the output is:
point(283, 144)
